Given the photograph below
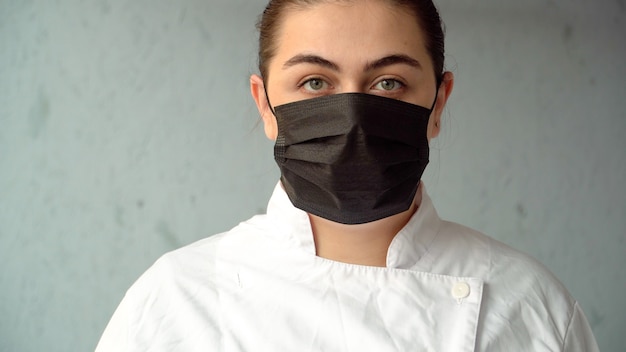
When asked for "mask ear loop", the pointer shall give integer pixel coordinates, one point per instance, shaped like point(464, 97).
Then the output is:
point(268, 99)
point(432, 108)
point(279, 144)
point(439, 82)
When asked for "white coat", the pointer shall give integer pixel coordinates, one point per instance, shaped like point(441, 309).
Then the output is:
point(260, 287)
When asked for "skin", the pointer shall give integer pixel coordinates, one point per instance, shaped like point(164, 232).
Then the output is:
point(340, 47)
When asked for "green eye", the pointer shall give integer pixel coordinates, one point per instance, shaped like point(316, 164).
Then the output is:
point(388, 84)
point(314, 84)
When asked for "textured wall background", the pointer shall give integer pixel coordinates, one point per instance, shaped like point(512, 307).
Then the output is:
point(126, 130)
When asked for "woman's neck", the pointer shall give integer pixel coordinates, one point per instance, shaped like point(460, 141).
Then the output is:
point(362, 244)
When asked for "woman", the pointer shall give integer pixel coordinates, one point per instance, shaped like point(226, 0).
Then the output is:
point(351, 255)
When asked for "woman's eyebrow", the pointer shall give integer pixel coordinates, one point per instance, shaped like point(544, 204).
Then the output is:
point(390, 60)
point(310, 59)
point(393, 60)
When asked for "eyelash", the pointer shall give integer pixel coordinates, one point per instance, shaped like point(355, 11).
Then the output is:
point(308, 80)
point(325, 82)
point(396, 81)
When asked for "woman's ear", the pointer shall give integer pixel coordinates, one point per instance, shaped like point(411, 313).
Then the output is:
point(445, 89)
point(257, 89)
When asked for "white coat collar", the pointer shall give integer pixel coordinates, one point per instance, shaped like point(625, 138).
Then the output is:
point(405, 251)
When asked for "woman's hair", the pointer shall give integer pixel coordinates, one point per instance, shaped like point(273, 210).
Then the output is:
point(424, 11)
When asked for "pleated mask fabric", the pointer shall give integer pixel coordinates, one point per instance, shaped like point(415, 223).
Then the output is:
point(351, 158)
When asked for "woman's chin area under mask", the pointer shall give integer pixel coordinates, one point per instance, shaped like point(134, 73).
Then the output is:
point(361, 244)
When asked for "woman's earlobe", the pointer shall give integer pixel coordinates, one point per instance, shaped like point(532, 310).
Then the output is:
point(434, 126)
point(257, 89)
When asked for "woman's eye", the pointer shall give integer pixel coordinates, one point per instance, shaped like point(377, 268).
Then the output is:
point(314, 84)
point(388, 85)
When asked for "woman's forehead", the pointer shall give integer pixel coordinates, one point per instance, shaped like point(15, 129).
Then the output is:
point(350, 30)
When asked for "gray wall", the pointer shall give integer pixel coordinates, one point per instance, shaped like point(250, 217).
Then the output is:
point(127, 130)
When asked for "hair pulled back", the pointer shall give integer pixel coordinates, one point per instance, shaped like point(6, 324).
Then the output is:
point(424, 11)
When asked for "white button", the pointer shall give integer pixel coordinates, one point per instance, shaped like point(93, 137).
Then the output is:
point(460, 290)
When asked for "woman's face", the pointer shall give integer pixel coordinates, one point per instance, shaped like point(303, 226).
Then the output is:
point(340, 47)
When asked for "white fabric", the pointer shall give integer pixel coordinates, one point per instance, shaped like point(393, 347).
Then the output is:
point(260, 287)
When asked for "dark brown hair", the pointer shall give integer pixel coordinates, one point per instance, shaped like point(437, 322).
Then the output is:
point(424, 10)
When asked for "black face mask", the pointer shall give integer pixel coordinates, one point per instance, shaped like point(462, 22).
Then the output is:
point(351, 158)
